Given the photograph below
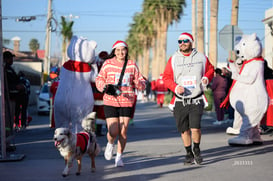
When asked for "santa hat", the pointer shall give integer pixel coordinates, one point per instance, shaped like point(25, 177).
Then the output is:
point(119, 43)
point(183, 36)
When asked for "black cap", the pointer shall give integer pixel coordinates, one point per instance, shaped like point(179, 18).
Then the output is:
point(8, 54)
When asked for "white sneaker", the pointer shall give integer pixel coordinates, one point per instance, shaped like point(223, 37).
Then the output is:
point(119, 162)
point(108, 153)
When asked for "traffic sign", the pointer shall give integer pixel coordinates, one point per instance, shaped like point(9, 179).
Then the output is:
point(228, 36)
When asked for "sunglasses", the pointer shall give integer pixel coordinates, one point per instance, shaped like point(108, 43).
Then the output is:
point(184, 41)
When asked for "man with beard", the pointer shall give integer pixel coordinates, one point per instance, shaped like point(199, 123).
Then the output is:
point(186, 74)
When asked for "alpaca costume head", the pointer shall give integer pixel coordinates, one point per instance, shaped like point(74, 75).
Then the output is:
point(249, 47)
point(80, 49)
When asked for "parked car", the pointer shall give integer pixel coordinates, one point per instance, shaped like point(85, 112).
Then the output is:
point(43, 100)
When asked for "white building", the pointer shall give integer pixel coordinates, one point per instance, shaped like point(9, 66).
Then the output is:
point(268, 41)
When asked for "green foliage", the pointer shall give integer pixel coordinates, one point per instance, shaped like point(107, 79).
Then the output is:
point(34, 45)
point(66, 32)
point(209, 96)
point(168, 97)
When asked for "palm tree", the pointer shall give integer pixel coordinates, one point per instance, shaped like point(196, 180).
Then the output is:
point(140, 37)
point(67, 34)
point(234, 12)
point(193, 21)
point(200, 26)
point(164, 13)
point(34, 45)
point(213, 31)
point(148, 8)
point(134, 42)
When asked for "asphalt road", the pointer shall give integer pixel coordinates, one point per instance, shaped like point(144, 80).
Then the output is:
point(154, 151)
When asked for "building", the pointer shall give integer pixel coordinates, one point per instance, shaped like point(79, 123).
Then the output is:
point(28, 63)
point(268, 41)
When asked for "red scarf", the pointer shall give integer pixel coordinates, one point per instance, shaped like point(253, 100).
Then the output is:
point(77, 66)
point(225, 102)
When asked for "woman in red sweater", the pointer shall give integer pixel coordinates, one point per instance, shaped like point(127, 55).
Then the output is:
point(118, 102)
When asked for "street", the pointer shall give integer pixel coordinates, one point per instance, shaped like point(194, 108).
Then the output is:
point(154, 151)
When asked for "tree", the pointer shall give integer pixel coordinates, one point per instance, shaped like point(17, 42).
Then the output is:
point(148, 33)
point(193, 25)
point(34, 45)
point(67, 34)
point(164, 13)
point(213, 32)
point(143, 31)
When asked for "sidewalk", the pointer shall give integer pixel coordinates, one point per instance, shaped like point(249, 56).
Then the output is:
point(154, 151)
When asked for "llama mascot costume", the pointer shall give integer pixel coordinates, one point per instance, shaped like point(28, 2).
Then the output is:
point(74, 97)
point(247, 94)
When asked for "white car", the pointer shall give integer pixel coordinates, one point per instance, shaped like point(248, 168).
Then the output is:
point(43, 100)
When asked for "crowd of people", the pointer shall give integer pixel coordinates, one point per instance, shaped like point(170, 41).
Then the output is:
point(187, 75)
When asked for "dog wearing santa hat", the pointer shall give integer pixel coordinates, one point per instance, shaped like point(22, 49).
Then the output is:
point(74, 97)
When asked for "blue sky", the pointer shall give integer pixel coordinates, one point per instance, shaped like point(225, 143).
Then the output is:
point(106, 21)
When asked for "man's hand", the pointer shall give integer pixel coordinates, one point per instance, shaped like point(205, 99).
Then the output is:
point(180, 90)
point(205, 81)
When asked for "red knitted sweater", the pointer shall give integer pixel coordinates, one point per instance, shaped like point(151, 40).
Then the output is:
point(132, 79)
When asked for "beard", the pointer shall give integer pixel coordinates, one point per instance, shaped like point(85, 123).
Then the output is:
point(186, 49)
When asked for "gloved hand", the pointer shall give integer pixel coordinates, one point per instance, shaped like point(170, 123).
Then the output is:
point(113, 90)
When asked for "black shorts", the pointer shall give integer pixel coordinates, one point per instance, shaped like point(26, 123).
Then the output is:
point(115, 112)
point(188, 116)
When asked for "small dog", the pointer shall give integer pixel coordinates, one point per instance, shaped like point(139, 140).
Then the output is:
point(73, 146)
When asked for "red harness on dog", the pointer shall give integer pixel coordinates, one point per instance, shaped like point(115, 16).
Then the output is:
point(82, 141)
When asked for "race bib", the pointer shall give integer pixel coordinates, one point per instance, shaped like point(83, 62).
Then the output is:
point(189, 82)
point(125, 81)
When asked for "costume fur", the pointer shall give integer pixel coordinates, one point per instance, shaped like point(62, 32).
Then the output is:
point(74, 146)
point(248, 94)
point(237, 122)
point(74, 98)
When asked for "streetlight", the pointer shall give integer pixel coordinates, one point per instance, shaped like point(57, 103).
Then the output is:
point(26, 18)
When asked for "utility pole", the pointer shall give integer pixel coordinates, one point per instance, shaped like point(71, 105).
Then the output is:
point(234, 22)
point(46, 65)
point(2, 95)
point(206, 30)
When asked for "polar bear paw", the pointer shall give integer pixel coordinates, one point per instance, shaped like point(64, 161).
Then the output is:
point(240, 140)
point(232, 131)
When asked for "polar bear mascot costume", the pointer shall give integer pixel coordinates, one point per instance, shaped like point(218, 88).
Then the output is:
point(237, 122)
point(247, 94)
point(74, 97)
